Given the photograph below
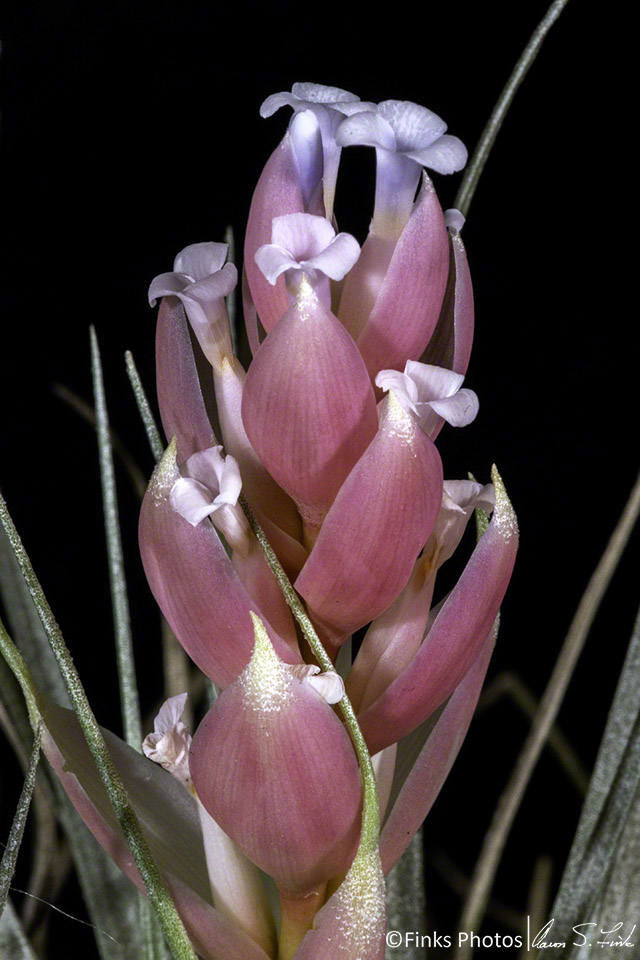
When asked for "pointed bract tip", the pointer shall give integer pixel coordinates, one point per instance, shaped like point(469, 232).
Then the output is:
point(504, 516)
point(165, 474)
point(262, 641)
point(265, 681)
point(352, 922)
point(395, 415)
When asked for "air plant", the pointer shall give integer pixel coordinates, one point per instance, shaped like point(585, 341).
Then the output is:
point(293, 542)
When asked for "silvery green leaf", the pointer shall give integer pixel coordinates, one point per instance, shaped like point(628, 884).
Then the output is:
point(12, 848)
point(406, 900)
point(159, 895)
point(144, 408)
point(129, 700)
point(25, 626)
point(13, 942)
point(110, 898)
point(600, 880)
point(12, 702)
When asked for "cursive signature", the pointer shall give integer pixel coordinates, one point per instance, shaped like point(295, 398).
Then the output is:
point(587, 934)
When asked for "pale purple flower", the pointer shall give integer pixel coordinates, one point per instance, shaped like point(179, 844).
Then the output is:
point(328, 106)
point(306, 244)
point(211, 488)
point(432, 393)
point(406, 138)
point(201, 280)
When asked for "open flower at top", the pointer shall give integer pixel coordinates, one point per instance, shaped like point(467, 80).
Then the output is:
point(329, 106)
point(406, 137)
point(300, 177)
point(392, 301)
point(432, 393)
point(318, 97)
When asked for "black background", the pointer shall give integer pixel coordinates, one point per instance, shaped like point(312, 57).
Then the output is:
point(131, 130)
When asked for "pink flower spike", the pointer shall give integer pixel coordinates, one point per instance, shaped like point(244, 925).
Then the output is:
point(393, 296)
point(433, 394)
point(201, 282)
point(455, 637)
point(275, 768)
point(379, 522)
point(450, 345)
point(195, 584)
point(430, 770)
point(211, 489)
point(303, 243)
point(182, 408)
point(308, 406)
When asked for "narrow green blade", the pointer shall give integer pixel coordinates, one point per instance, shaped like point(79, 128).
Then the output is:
point(10, 855)
point(129, 699)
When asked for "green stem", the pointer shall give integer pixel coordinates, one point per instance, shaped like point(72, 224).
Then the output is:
point(370, 809)
point(499, 112)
